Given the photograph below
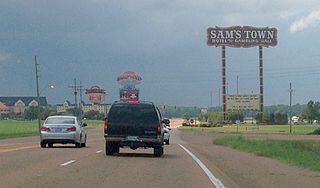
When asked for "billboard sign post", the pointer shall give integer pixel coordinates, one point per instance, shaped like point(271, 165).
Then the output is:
point(241, 37)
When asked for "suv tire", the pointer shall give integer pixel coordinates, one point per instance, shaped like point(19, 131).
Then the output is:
point(158, 151)
point(109, 148)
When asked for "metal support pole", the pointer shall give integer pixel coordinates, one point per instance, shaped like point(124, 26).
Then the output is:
point(261, 77)
point(224, 95)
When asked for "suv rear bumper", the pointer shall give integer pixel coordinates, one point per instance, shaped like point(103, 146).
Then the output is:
point(139, 142)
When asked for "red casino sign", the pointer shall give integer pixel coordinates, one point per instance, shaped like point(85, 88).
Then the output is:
point(95, 94)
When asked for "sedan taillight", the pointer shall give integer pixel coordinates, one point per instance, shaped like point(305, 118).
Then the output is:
point(45, 129)
point(73, 128)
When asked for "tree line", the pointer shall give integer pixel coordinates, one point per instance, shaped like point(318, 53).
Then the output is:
point(275, 114)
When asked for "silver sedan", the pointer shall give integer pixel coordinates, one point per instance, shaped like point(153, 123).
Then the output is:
point(63, 130)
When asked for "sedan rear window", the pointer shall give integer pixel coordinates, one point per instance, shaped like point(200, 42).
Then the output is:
point(60, 121)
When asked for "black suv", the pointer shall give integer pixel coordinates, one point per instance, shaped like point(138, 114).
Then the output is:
point(133, 124)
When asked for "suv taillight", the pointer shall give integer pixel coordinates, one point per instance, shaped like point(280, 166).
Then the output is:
point(159, 127)
point(106, 124)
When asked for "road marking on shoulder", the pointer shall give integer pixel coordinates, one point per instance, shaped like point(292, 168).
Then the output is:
point(212, 178)
point(68, 162)
point(99, 151)
point(17, 146)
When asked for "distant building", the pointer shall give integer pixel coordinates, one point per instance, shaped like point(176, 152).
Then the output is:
point(249, 120)
point(18, 105)
point(102, 108)
point(4, 109)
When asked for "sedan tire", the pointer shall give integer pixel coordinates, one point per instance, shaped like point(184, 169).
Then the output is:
point(43, 144)
point(78, 145)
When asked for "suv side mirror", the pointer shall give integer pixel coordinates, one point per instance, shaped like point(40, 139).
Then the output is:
point(84, 125)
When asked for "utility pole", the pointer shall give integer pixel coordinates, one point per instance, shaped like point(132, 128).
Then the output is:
point(75, 92)
point(80, 93)
point(38, 93)
point(290, 112)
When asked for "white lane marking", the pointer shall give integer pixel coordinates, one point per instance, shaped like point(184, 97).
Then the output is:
point(212, 178)
point(68, 162)
point(99, 151)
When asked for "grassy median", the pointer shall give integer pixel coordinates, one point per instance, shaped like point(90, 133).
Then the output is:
point(301, 153)
point(14, 128)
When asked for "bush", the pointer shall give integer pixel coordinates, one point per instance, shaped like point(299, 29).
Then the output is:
point(316, 132)
point(93, 115)
point(185, 124)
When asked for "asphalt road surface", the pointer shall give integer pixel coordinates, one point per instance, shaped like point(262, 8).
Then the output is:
point(24, 164)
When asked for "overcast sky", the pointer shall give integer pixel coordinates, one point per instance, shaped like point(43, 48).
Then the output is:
point(164, 41)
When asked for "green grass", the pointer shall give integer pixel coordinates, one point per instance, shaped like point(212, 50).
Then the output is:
point(280, 129)
point(301, 153)
point(13, 128)
point(94, 123)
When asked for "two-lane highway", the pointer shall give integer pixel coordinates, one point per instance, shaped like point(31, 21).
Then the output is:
point(25, 164)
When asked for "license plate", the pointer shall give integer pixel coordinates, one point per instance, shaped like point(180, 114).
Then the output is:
point(57, 130)
point(132, 138)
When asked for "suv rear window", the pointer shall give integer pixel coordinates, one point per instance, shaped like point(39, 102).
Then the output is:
point(127, 113)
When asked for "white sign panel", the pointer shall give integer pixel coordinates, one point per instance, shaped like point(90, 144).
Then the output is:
point(243, 102)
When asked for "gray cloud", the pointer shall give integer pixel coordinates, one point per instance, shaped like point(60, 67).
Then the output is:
point(6, 58)
point(162, 40)
point(305, 21)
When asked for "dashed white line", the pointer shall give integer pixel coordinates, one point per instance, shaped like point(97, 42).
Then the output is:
point(68, 162)
point(99, 151)
point(212, 178)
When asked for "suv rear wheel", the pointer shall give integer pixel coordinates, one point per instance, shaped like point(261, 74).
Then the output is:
point(112, 148)
point(158, 151)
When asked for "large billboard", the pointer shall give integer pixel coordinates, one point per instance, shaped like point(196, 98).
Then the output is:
point(245, 37)
point(95, 94)
point(243, 102)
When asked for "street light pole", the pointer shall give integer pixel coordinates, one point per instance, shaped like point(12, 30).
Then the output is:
point(38, 93)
